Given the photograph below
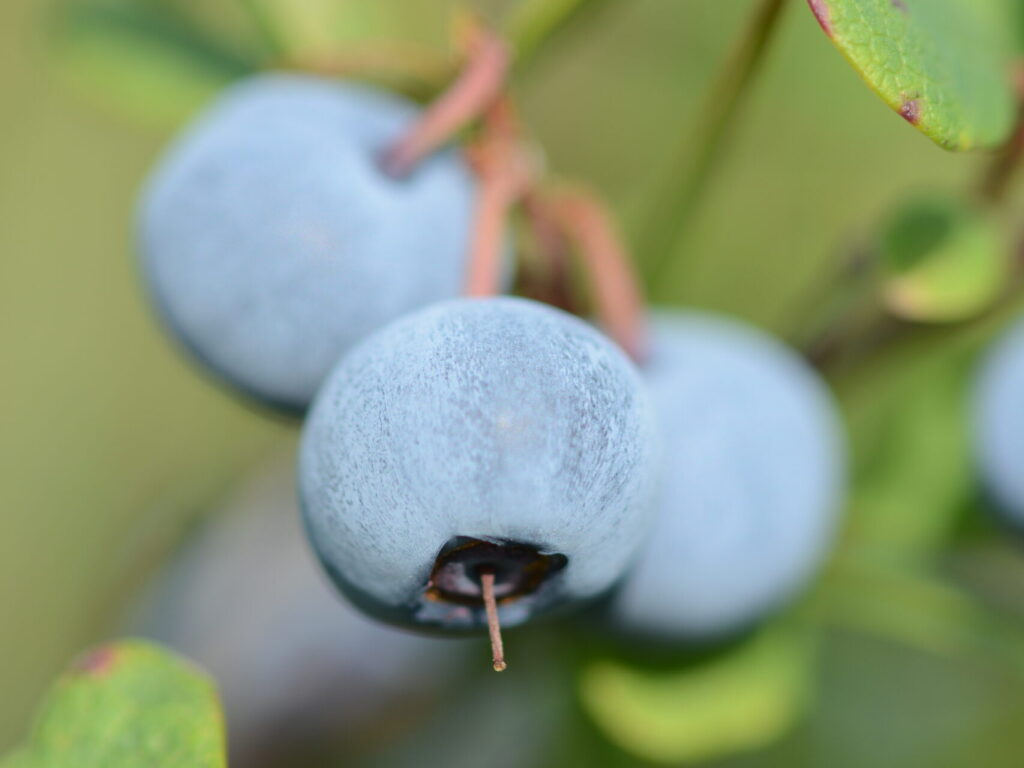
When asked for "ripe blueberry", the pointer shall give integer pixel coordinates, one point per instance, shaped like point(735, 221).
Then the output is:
point(478, 436)
point(752, 483)
point(272, 241)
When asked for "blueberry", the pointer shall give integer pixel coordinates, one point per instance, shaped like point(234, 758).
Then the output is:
point(999, 423)
point(752, 487)
point(272, 241)
point(247, 600)
point(478, 435)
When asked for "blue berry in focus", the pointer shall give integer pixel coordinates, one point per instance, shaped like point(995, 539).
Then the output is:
point(479, 434)
point(999, 423)
point(272, 241)
point(752, 486)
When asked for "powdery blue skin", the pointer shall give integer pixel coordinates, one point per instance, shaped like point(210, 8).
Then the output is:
point(496, 419)
point(247, 600)
point(999, 423)
point(753, 481)
point(272, 241)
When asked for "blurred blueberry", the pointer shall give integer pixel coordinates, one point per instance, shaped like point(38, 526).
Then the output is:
point(272, 241)
point(753, 481)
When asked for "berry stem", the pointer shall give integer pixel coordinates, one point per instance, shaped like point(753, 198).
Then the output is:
point(505, 173)
point(620, 301)
point(698, 156)
point(474, 90)
point(493, 623)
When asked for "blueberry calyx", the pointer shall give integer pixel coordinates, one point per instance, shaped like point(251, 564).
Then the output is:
point(518, 569)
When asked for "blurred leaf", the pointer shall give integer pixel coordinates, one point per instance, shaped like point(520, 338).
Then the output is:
point(913, 460)
point(124, 706)
point(943, 65)
point(943, 260)
point(143, 57)
point(741, 701)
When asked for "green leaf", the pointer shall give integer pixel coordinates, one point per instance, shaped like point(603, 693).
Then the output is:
point(741, 701)
point(943, 260)
point(143, 57)
point(943, 65)
point(124, 706)
point(912, 464)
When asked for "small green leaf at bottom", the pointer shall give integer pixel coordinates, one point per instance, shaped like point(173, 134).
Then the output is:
point(128, 705)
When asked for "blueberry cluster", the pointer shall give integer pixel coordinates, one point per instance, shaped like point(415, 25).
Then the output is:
point(463, 457)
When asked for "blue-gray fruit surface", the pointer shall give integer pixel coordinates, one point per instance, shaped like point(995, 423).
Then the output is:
point(999, 423)
point(272, 241)
point(752, 487)
point(478, 434)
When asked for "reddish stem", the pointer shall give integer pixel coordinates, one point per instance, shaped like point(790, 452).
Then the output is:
point(475, 89)
point(505, 172)
point(620, 302)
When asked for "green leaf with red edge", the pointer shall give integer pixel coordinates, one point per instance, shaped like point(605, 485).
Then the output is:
point(127, 705)
point(943, 65)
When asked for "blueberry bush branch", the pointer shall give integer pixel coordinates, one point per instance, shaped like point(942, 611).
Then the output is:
point(696, 158)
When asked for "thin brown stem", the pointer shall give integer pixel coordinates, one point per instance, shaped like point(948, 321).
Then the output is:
point(493, 623)
point(477, 87)
point(619, 298)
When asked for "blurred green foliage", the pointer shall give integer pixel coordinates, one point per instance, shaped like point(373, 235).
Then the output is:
point(111, 444)
point(944, 259)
